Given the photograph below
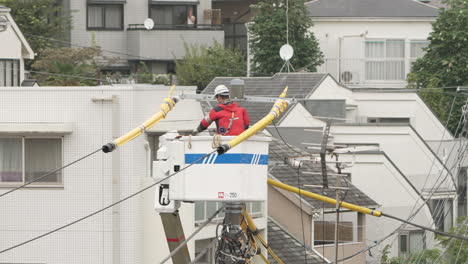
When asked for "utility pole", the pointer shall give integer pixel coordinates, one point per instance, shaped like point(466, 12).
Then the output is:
point(337, 208)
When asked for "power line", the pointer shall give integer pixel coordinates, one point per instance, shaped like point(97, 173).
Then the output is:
point(50, 173)
point(107, 207)
point(409, 218)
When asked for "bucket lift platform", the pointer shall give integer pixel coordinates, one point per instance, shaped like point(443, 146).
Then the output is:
point(232, 178)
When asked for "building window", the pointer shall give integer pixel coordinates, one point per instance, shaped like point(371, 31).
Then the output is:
point(385, 59)
point(417, 50)
point(411, 242)
point(394, 120)
point(105, 17)
point(442, 213)
point(204, 210)
point(325, 232)
point(172, 15)
point(9, 72)
point(24, 159)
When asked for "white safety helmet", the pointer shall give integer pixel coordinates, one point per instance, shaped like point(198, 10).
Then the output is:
point(221, 90)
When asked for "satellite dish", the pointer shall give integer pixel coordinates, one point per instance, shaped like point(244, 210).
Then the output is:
point(286, 52)
point(149, 23)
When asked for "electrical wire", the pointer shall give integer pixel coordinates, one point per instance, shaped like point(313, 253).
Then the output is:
point(50, 173)
point(437, 209)
point(394, 231)
point(107, 207)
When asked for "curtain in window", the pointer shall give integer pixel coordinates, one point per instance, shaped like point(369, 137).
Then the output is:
point(113, 16)
point(2, 73)
point(43, 155)
point(416, 50)
point(385, 60)
point(8, 71)
point(162, 15)
point(395, 64)
point(15, 73)
point(11, 165)
point(416, 242)
point(95, 19)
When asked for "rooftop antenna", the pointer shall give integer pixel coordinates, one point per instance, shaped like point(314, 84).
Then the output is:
point(286, 51)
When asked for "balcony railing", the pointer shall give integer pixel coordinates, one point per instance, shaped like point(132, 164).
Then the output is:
point(177, 27)
point(367, 71)
point(166, 42)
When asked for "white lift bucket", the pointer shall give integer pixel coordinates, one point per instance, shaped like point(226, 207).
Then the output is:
point(238, 175)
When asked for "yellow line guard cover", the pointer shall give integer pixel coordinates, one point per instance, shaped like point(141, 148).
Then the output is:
point(167, 105)
point(349, 206)
point(278, 108)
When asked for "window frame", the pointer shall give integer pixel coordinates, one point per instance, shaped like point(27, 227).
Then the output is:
point(23, 165)
point(186, 5)
point(408, 233)
point(385, 59)
point(104, 28)
point(14, 75)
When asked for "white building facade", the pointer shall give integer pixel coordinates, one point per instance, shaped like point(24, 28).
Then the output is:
point(14, 49)
point(43, 128)
point(371, 43)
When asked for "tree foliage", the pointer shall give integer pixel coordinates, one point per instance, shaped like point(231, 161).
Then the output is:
point(40, 21)
point(69, 66)
point(445, 61)
point(201, 64)
point(268, 34)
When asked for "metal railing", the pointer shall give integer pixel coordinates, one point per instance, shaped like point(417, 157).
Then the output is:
point(366, 70)
point(177, 27)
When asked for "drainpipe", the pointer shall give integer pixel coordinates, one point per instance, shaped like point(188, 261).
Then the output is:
point(115, 176)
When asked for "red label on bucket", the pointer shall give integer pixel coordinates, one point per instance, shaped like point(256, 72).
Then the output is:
point(220, 195)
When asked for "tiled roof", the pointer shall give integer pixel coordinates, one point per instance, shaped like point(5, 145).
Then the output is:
point(370, 8)
point(279, 151)
point(288, 248)
point(300, 85)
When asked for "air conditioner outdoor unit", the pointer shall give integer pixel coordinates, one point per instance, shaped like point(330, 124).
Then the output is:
point(349, 77)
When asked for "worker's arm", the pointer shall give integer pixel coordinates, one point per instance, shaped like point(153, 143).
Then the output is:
point(206, 121)
point(246, 119)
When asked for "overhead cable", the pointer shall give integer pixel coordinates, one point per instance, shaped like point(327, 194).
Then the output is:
point(105, 208)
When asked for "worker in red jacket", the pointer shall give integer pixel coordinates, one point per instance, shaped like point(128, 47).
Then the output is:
point(230, 119)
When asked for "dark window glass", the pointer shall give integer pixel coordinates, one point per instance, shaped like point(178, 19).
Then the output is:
point(105, 16)
point(172, 14)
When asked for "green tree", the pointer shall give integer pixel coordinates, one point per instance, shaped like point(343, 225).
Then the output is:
point(69, 66)
point(268, 34)
point(39, 20)
point(456, 250)
point(445, 61)
point(201, 64)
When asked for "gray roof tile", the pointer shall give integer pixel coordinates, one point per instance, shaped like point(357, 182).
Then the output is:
point(300, 86)
point(370, 8)
point(279, 151)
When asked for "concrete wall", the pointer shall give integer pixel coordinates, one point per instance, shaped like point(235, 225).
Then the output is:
point(344, 38)
point(167, 44)
point(10, 45)
point(124, 45)
point(88, 185)
point(415, 160)
point(385, 104)
point(285, 209)
point(345, 249)
point(376, 176)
